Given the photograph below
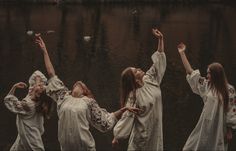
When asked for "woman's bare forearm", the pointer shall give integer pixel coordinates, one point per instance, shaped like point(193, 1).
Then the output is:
point(160, 45)
point(48, 64)
point(186, 63)
point(12, 91)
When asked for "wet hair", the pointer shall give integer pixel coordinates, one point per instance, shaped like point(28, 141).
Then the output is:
point(127, 84)
point(86, 90)
point(219, 83)
point(45, 105)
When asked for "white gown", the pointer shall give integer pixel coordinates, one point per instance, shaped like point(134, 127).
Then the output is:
point(29, 123)
point(145, 130)
point(75, 115)
point(209, 133)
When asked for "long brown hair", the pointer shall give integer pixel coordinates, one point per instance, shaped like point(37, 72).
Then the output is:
point(219, 83)
point(128, 84)
point(86, 91)
point(45, 105)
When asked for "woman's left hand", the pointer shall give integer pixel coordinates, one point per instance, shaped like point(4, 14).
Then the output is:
point(157, 33)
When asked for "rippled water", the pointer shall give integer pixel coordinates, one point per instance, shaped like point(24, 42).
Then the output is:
point(120, 36)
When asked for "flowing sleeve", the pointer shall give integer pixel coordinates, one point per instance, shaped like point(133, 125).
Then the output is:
point(19, 107)
point(231, 114)
point(100, 118)
point(157, 70)
point(32, 79)
point(124, 126)
point(56, 89)
point(197, 83)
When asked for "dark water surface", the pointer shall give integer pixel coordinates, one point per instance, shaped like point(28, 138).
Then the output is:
point(120, 37)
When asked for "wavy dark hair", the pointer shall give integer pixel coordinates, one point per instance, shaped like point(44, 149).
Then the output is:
point(219, 83)
point(45, 105)
point(127, 84)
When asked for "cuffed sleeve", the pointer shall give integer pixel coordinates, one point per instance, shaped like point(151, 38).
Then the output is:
point(56, 89)
point(157, 70)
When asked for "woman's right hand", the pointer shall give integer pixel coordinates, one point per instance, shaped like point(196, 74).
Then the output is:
point(157, 33)
point(132, 109)
point(40, 42)
point(181, 47)
point(114, 142)
point(20, 85)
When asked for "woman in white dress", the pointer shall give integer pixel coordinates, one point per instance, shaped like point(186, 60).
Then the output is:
point(77, 109)
point(30, 111)
point(142, 90)
point(218, 117)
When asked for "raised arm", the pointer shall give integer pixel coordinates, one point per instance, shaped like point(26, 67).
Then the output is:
point(13, 104)
point(47, 61)
point(157, 70)
point(20, 85)
point(181, 48)
point(159, 35)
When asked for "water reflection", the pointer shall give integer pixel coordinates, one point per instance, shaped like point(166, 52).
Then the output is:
point(120, 37)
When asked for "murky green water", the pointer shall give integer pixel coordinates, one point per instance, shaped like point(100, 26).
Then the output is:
point(120, 37)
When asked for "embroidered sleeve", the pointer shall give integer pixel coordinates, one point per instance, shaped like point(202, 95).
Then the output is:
point(56, 89)
point(231, 114)
point(197, 83)
point(157, 70)
point(19, 107)
point(100, 118)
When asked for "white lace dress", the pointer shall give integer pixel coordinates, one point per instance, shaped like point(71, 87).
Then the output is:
point(29, 123)
point(75, 116)
point(145, 130)
point(209, 133)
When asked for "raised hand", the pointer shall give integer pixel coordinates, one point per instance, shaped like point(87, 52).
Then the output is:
point(157, 33)
point(20, 85)
point(181, 47)
point(40, 42)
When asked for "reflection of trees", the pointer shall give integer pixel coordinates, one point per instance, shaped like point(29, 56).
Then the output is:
point(209, 40)
point(226, 52)
point(61, 40)
point(86, 50)
point(135, 22)
point(92, 62)
point(81, 54)
point(105, 80)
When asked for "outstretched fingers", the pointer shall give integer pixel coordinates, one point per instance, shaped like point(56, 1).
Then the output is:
point(134, 110)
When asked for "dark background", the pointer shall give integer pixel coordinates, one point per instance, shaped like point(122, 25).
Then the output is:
point(120, 37)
